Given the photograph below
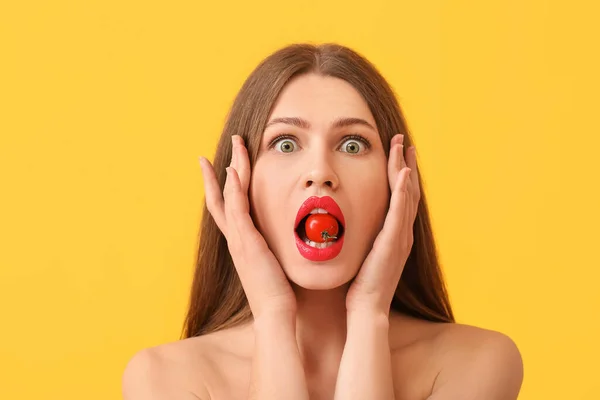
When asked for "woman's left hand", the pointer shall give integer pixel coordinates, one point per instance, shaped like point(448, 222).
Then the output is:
point(375, 284)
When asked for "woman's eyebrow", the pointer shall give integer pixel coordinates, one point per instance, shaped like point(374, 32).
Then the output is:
point(304, 124)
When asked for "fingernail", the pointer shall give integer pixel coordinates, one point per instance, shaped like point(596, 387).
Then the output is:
point(200, 161)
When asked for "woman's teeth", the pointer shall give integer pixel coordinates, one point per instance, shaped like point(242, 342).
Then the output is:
point(318, 245)
point(318, 211)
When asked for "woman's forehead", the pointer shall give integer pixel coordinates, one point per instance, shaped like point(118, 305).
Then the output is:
point(320, 100)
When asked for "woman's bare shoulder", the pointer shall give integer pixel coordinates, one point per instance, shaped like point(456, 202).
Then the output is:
point(456, 344)
point(183, 368)
point(406, 331)
point(489, 357)
point(166, 371)
point(446, 351)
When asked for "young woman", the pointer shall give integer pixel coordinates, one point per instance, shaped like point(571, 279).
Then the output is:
point(317, 275)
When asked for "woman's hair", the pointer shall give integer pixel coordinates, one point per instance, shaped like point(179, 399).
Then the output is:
point(217, 298)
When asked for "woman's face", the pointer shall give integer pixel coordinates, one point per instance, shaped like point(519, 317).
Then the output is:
point(317, 158)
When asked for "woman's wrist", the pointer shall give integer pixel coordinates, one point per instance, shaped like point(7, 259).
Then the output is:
point(372, 316)
point(278, 320)
point(277, 370)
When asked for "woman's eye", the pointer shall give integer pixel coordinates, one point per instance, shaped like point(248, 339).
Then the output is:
point(285, 145)
point(352, 146)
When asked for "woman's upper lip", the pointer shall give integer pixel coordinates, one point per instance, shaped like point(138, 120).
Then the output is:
point(326, 202)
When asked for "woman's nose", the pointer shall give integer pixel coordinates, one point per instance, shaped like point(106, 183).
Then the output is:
point(321, 174)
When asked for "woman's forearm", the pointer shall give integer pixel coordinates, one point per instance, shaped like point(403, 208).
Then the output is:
point(277, 371)
point(366, 367)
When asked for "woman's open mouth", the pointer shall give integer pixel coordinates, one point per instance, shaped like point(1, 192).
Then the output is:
point(324, 237)
point(319, 229)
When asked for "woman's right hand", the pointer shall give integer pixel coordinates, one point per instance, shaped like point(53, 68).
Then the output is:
point(264, 282)
point(277, 370)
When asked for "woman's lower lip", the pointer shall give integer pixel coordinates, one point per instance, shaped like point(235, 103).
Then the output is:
point(314, 254)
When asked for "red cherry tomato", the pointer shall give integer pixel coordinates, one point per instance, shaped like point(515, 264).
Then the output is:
point(321, 227)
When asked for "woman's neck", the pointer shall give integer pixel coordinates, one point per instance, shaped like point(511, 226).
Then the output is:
point(321, 327)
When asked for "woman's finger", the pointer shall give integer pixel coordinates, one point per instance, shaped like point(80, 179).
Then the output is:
point(229, 195)
point(414, 190)
point(414, 175)
point(212, 194)
point(394, 162)
point(394, 220)
point(242, 166)
point(232, 207)
point(404, 164)
point(408, 222)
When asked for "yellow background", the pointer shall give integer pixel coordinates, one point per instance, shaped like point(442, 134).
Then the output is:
point(105, 107)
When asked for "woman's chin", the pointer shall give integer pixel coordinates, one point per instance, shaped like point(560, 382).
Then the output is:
point(319, 276)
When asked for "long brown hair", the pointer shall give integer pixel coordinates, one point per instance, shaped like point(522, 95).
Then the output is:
point(217, 298)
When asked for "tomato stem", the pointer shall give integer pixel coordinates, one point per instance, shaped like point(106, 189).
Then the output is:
point(325, 235)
